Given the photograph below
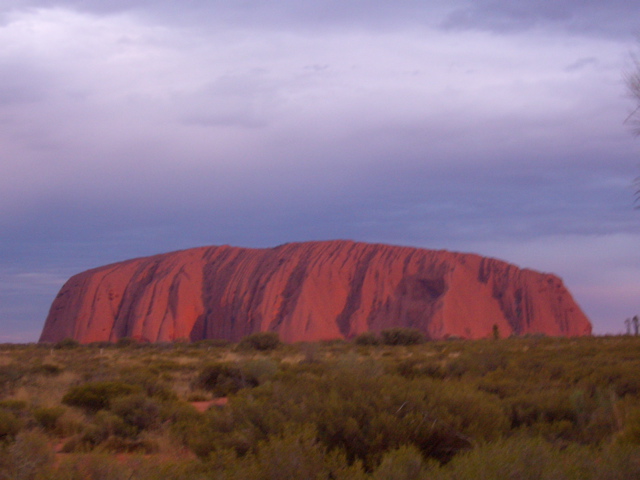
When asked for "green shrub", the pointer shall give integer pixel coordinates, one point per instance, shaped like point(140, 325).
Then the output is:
point(10, 425)
point(105, 425)
point(179, 411)
point(9, 377)
point(137, 411)
point(48, 417)
point(66, 344)
point(93, 467)
point(402, 336)
point(96, 396)
point(630, 434)
point(149, 382)
point(618, 462)
point(223, 379)
point(403, 463)
point(522, 459)
point(218, 430)
point(263, 341)
point(100, 345)
point(294, 454)
point(297, 454)
point(367, 338)
point(30, 456)
point(48, 369)
point(259, 370)
point(548, 406)
point(126, 342)
point(13, 405)
point(129, 445)
point(212, 343)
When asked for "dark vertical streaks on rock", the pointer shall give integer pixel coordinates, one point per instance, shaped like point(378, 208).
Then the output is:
point(174, 291)
point(354, 299)
point(483, 271)
point(141, 278)
point(291, 292)
point(218, 321)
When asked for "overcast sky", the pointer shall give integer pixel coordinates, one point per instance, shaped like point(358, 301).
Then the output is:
point(129, 128)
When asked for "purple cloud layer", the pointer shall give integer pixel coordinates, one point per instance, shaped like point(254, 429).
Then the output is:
point(132, 128)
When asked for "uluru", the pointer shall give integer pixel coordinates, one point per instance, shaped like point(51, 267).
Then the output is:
point(310, 291)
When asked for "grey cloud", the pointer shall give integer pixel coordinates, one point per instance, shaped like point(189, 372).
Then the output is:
point(281, 13)
point(582, 63)
point(616, 18)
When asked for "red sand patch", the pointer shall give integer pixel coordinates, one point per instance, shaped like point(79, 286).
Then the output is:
point(204, 406)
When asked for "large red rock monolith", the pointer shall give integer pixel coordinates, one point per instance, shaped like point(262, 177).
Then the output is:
point(310, 291)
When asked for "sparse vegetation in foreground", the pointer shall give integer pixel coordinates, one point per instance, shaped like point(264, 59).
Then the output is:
point(380, 407)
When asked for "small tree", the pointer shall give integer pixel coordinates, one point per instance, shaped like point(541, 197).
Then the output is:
point(632, 79)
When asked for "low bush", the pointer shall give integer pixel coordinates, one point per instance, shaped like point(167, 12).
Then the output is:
point(223, 379)
point(66, 344)
point(30, 457)
point(48, 417)
point(402, 336)
point(262, 341)
point(506, 459)
point(10, 375)
point(367, 338)
point(126, 342)
point(403, 463)
point(96, 396)
point(48, 369)
point(259, 370)
point(138, 411)
point(10, 425)
point(93, 467)
point(211, 343)
point(151, 381)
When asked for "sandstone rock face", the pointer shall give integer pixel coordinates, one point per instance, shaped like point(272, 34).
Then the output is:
point(310, 291)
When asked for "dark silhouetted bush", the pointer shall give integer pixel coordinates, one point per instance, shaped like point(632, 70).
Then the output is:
point(47, 417)
point(66, 344)
point(263, 341)
point(10, 425)
point(48, 369)
point(96, 396)
point(126, 342)
point(9, 377)
point(138, 411)
point(402, 336)
point(223, 379)
point(367, 338)
point(211, 343)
